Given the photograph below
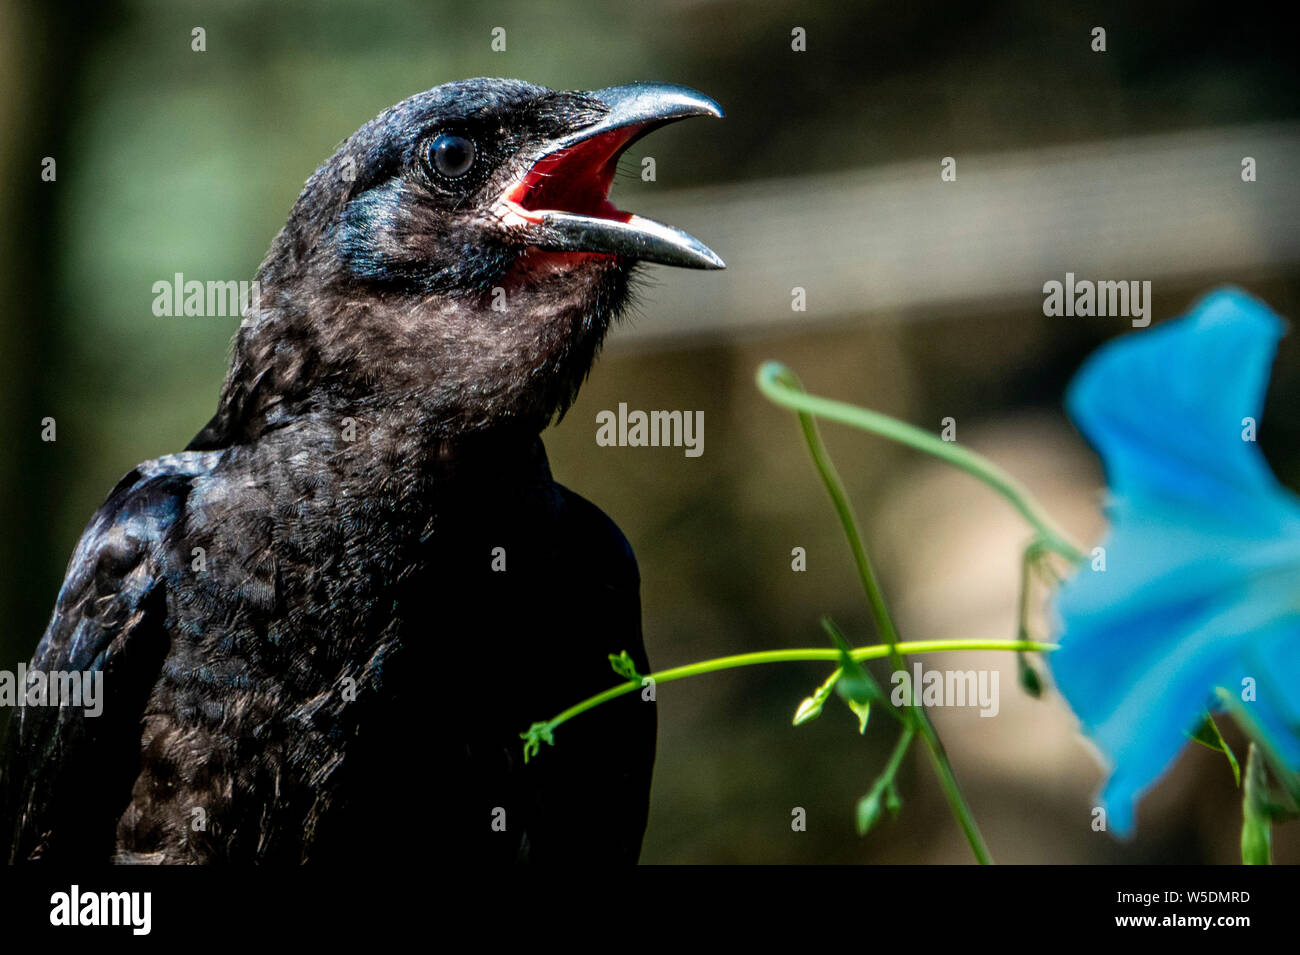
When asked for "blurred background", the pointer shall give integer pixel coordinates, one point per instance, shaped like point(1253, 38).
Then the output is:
point(924, 300)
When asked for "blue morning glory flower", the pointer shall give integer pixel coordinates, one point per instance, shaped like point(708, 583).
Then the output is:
point(1201, 586)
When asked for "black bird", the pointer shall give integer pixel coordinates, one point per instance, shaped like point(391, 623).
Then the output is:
point(324, 624)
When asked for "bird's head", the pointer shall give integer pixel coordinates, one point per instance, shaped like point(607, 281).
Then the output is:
point(458, 254)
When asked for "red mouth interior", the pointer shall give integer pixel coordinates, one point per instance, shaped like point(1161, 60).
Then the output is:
point(576, 179)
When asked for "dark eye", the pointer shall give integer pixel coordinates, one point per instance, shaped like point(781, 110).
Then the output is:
point(451, 155)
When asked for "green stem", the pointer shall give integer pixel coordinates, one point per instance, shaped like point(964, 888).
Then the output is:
point(780, 385)
point(1029, 678)
point(844, 509)
point(1256, 826)
point(814, 654)
point(957, 802)
point(900, 750)
point(878, 796)
point(783, 386)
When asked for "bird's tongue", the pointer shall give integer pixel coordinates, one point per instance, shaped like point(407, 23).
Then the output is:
point(576, 179)
point(560, 207)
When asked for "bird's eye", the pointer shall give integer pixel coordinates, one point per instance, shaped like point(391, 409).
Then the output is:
point(451, 155)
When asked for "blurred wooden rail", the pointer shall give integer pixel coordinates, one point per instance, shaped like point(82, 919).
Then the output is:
point(895, 239)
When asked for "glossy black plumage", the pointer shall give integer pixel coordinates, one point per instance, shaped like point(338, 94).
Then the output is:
point(308, 652)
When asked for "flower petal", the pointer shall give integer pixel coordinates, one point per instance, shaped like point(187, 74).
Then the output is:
point(1201, 580)
point(1164, 406)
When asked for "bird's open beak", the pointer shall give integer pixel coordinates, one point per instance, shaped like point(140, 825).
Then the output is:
point(563, 201)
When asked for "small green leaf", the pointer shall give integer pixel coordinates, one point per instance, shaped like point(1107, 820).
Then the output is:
point(893, 801)
point(863, 713)
point(624, 666)
point(1208, 735)
point(869, 810)
point(857, 689)
point(855, 683)
point(534, 737)
point(809, 709)
point(1030, 681)
point(884, 791)
point(856, 686)
point(882, 795)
